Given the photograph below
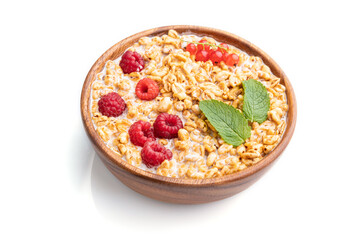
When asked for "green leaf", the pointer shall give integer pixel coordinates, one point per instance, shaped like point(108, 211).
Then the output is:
point(230, 123)
point(256, 101)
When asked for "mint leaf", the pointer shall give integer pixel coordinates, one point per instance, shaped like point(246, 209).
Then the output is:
point(230, 123)
point(256, 101)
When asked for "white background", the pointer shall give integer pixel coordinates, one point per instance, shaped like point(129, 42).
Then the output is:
point(53, 186)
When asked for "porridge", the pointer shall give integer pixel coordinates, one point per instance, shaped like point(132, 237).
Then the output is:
point(186, 106)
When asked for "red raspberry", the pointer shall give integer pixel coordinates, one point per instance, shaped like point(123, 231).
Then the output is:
point(153, 154)
point(112, 105)
point(167, 126)
point(147, 89)
point(131, 62)
point(141, 132)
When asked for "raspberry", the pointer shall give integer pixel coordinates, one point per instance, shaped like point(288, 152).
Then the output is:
point(141, 132)
point(167, 126)
point(146, 89)
point(153, 154)
point(131, 62)
point(112, 105)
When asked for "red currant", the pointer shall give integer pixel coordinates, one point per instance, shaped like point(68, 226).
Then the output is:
point(191, 48)
point(210, 51)
point(232, 59)
point(225, 56)
point(203, 46)
point(216, 57)
point(223, 48)
point(202, 55)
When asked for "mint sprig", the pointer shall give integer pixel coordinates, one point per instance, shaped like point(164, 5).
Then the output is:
point(256, 101)
point(230, 123)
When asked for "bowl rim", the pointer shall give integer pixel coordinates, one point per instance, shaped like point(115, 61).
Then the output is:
point(198, 30)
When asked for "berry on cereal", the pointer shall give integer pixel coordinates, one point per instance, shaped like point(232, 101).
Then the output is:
point(216, 57)
point(167, 126)
point(153, 154)
point(223, 48)
point(202, 55)
point(191, 48)
point(147, 89)
point(204, 51)
point(131, 62)
point(203, 45)
point(231, 59)
point(111, 105)
point(141, 132)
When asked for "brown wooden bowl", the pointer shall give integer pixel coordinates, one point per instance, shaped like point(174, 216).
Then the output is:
point(177, 190)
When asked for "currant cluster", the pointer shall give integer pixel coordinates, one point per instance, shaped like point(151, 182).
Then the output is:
point(205, 51)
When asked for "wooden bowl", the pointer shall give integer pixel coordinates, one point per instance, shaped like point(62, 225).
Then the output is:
point(176, 190)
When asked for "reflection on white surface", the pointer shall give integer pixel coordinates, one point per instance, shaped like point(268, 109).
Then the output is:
point(116, 201)
point(84, 154)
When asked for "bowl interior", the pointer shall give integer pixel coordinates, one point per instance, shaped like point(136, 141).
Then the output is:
point(116, 51)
